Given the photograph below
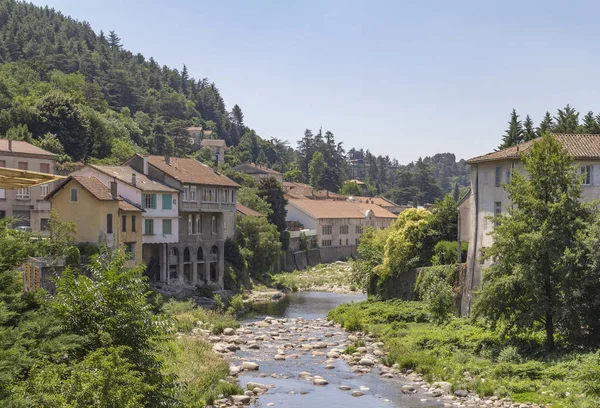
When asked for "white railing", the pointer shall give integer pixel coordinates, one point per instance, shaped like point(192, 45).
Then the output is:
point(307, 232)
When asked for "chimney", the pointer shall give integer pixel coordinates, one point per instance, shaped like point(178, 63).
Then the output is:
point(145, 165)
point(113, 189)
point(133, 179)
point(10, 145)
point(168, 159)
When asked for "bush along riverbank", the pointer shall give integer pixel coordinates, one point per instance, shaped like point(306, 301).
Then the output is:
point(462, 357)
point(334, 278)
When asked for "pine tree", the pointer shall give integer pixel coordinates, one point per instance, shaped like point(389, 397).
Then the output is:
point(184, 80)
point(546, 125)
point(514, 133)
point(567, 121)
point(528, 130)
point(456, 192)
point(316, 170)
point(590, 125)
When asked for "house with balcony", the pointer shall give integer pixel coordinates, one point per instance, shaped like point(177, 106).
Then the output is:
point(101, 216)
point(27, 205)
point(160, 219)
point(487, 196)
point(207, 210)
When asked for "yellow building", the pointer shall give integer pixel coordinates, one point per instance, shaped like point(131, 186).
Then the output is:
point(102, 217)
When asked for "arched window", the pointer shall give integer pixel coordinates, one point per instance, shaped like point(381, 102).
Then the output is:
point(200, 255)
point(186, 255)
point(214, 250)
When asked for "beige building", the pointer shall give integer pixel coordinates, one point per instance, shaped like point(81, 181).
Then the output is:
point(101, 216)
point(26, 204)
point(487, 196)
point(259, 172)
point(337, 223)
point(382, 202)
point(217, 149)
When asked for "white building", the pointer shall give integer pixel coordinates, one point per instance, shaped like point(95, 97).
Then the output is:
point(487, 197)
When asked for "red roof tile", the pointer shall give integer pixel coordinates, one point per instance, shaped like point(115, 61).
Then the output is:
point(190, 171)
point(19, 146)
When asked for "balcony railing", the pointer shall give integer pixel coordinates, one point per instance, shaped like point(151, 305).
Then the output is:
point(205, 206)
point(307, 232)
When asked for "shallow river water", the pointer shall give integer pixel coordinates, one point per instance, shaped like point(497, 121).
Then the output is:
point(304, 315)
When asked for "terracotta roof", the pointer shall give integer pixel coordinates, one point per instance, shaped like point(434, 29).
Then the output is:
point(19, 146)
point(579, 146)
point(309, 192)
point(338, 209)
point(251, 168)
point(124, 174)
point(380, 201)
point(190, 171)
point(213, 143)
point(126, 206)
point(95, 187)
point(242, 209)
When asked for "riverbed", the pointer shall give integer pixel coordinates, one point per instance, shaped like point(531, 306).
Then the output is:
point(299, 347)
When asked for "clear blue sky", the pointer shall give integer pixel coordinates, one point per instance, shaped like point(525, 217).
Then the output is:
point(407, 79)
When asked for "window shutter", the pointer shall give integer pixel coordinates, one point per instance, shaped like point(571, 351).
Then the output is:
point(143, 200)
point(596, 175)
point(153, 200)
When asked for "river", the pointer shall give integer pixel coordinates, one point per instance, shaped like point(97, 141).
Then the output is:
point(302, 324)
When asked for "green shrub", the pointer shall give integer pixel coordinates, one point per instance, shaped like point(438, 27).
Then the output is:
point(589, 374)
point(509, 354)
point(206, 291)
point(353, 321)
point(236, 304)
point(219, 304)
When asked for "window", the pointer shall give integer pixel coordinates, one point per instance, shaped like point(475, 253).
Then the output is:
point(209, 194)
point(587, 174)
point(74, 195)
point(498, 174)
point(45, 189)
point(485, 178)
point(148, 227)
point(44, 224)
point(497, 208)
point(358, 229)
point(214, 224)
point(327, 229)
point(23, 166)
point(23, 193)
point(2, 163)
point(186, 193)
point(193, 193)
point(326, 242)
point(343, 229)
point(44, 168)
point(508, 176)
point(199, 226)
point(133, 223)
point(340, 242)
point(149, 201)
point(167, 227)
point(346, 241)
point(109, 226)
point(130, 249)
point(166, 202)
point(355, 241)
point(2, 194)
point(190, 224)
point(124, 223)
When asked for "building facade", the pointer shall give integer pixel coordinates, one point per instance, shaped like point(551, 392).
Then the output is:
point(27, 205)
point(101, 217)
point(217, 149)
point(259, 172)
point(488, 197)
point(207, 206)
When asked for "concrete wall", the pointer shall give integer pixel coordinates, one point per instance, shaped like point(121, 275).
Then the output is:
point(340, 253)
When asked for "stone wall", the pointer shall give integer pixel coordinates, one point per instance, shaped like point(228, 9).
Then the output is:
point(338, 253)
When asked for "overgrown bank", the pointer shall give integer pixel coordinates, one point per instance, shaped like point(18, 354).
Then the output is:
point(473, 357)
point(335, 277)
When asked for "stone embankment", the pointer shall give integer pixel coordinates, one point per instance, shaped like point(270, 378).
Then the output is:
point(280, 340)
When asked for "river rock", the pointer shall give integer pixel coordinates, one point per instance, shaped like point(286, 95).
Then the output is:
point(366, 362)
point(228, 331)
point(318, 380)
point(244, 399)
point(332, 354)
point(329, 366)
point(408, 389)
point(252, 385)
point(357, 393)
point(444, 385)
point(437, 393)
point(461, 393)
point(250, 366)
point(279, 357)
point(234, 370)
point(345, 388)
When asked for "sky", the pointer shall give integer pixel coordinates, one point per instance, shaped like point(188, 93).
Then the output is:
point(406, 79)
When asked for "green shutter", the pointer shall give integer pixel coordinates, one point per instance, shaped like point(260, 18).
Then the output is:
point(143, 200)
point(154, 201)
point(166, 201)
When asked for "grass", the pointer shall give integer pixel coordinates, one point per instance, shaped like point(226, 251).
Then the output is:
point(200, 372)
point(324, 277)
point(495, 365)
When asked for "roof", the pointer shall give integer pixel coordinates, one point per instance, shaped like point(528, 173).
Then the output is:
point(323, 209)
point(579, 146)
point(194, 129)
point(20, 146)
point(142, 182)
point(94, 186)
point(127, 206)
point(242, 209)
point(213, 143)
point(360, 183)
point(190, 171)
point(380, 201)
point(306, 191)
point(251, 168)
point(15, 178)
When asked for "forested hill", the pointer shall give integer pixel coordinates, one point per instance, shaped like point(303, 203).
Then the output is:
point(58, 76)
